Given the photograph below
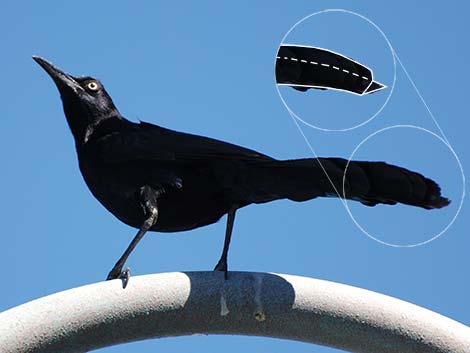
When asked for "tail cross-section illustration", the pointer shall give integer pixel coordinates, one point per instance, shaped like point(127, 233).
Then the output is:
point(305, 67)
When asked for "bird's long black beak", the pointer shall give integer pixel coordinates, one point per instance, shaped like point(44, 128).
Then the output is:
point(61, 79)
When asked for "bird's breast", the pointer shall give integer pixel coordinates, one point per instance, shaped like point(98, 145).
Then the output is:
point(193, 202)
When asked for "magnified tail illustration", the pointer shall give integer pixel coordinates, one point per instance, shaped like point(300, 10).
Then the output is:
point(305, 67)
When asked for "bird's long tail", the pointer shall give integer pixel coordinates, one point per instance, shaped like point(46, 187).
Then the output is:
point(370, 183)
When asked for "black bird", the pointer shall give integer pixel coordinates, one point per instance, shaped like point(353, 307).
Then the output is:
point(157, 179)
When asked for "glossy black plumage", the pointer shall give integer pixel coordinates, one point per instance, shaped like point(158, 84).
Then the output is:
point(153, 178)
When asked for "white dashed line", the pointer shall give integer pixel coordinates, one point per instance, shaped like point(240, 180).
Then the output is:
point(325, 65)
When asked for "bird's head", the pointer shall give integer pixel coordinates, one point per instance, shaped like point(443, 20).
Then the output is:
point(86, 102)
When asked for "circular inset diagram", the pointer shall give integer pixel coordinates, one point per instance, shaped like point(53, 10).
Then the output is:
point(331, 79)
point(422, 151)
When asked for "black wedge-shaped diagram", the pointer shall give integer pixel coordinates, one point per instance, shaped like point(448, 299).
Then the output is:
point(305, 67)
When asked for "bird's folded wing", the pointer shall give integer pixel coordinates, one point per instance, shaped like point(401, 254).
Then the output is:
point(150, 142)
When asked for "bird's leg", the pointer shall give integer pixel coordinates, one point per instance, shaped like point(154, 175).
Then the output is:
point(149, 203)
point(222, 264)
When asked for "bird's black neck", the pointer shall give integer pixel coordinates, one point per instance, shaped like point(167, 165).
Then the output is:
point(103, 127)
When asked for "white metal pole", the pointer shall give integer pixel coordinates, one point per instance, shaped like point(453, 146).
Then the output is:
point(261, 304)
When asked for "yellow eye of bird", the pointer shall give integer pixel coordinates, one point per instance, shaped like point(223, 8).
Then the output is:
point(92, 86)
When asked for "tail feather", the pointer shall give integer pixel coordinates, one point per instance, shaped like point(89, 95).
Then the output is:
point(370, 183)
point(390, 184)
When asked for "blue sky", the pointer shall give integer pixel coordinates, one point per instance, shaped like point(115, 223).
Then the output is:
point(206, 67)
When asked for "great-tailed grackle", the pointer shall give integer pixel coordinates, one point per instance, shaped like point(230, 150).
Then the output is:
point(157, 179)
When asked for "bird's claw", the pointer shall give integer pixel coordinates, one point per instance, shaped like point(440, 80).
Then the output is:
point(222, 266)
point(116, 273)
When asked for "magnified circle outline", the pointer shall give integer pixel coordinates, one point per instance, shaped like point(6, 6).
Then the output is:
point(392, 87)
point(435, 236)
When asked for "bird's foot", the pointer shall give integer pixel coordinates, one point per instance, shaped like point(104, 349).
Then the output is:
point(222, 266)
point(116, 273)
